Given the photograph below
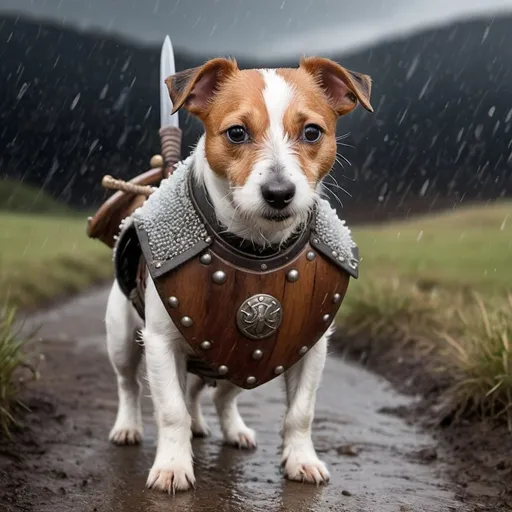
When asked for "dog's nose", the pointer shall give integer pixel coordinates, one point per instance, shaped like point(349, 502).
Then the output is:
point(278, 194)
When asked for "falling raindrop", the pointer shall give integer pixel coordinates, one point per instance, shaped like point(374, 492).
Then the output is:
point(424, 89)
point(486, 33)
point(22, 91)
point(126, 64)
point(103, 92)
point(75, 101)
point(424, 188)
point(413, 67)
point(93, 145)
point(121, 100)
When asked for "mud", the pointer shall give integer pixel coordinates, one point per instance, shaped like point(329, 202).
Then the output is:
point(477, 449)
point(61, 461)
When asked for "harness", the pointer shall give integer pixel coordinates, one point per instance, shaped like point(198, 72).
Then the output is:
point(249, 313)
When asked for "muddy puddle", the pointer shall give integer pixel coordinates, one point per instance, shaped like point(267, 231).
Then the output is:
point(378, 463)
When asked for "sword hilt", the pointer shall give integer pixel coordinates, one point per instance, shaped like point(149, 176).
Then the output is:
point(125, 186)
point(170, 139)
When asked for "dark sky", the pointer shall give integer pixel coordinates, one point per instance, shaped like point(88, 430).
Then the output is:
point(262, 28)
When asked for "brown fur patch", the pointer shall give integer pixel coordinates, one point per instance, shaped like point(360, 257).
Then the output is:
point(239, 102)
point(309, 106)
point(343, 87)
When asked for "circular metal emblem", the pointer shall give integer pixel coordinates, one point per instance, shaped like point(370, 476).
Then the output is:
point(259, 316)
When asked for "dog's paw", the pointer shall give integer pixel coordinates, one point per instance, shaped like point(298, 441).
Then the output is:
point(305, 468)
point(170, 480)
point(243, 438)
point(125, 436)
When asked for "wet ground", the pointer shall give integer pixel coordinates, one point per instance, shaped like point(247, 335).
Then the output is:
point(63, 461)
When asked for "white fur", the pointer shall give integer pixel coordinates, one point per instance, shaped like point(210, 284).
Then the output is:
point(177, 412)
point(240, 209)
point(178, 416)
point(278, 94)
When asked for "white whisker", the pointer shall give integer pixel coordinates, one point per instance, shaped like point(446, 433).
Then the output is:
point(339, 163)
point(335, 196)
point(344, 158)
point(345, 145)
point(337, 185)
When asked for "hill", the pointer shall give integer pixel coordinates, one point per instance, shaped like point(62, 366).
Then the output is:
point(75, 106)
point(20, 197)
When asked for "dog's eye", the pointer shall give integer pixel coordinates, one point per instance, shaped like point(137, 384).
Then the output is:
point(237, 134)
point(312, 133)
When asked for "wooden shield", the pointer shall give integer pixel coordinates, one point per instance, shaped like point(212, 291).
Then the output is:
point(250, 326)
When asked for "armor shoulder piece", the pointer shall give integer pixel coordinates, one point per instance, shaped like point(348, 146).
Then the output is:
point(331, 237)
point(169, 229)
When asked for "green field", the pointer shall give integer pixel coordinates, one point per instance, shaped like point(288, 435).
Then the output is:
point(44, 251)
point(44, 256)
point(470, 248)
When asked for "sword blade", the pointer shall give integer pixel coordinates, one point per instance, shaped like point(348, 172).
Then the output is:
point(167, 69)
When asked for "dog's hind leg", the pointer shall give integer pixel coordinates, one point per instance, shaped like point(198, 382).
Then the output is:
point(300, 461)
point(235, 431)
point(125, 355)
point(195, 386)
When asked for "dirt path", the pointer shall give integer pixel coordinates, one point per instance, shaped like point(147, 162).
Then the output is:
point(63, 461)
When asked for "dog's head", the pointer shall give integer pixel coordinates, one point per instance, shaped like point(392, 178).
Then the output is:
point(270, 134)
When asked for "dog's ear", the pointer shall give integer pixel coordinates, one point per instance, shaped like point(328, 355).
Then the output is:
point(342, 87)
point(194, 88)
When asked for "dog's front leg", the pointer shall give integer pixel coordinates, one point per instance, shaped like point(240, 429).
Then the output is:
point(167, 374)
point(300, 461)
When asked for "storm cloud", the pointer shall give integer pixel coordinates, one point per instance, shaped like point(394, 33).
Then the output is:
point(256, 28)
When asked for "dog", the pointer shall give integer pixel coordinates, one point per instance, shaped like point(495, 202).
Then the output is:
point(269, 140)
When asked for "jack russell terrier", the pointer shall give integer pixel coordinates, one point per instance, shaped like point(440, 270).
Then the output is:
point(270, 139)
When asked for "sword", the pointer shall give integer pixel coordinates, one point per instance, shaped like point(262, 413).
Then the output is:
point(170, 133)
point(105, 224)
point(167, 68)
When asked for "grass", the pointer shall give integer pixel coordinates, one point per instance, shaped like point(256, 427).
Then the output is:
point(481, 355)
point(12, 362)
point(466, 249)
point(444, 281)
point(44, 256)
point(391, 311)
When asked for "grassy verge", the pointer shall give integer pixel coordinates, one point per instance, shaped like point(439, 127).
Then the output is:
point(441, 284)
point(41, 257)
point(44, 256)
point(12, 363)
